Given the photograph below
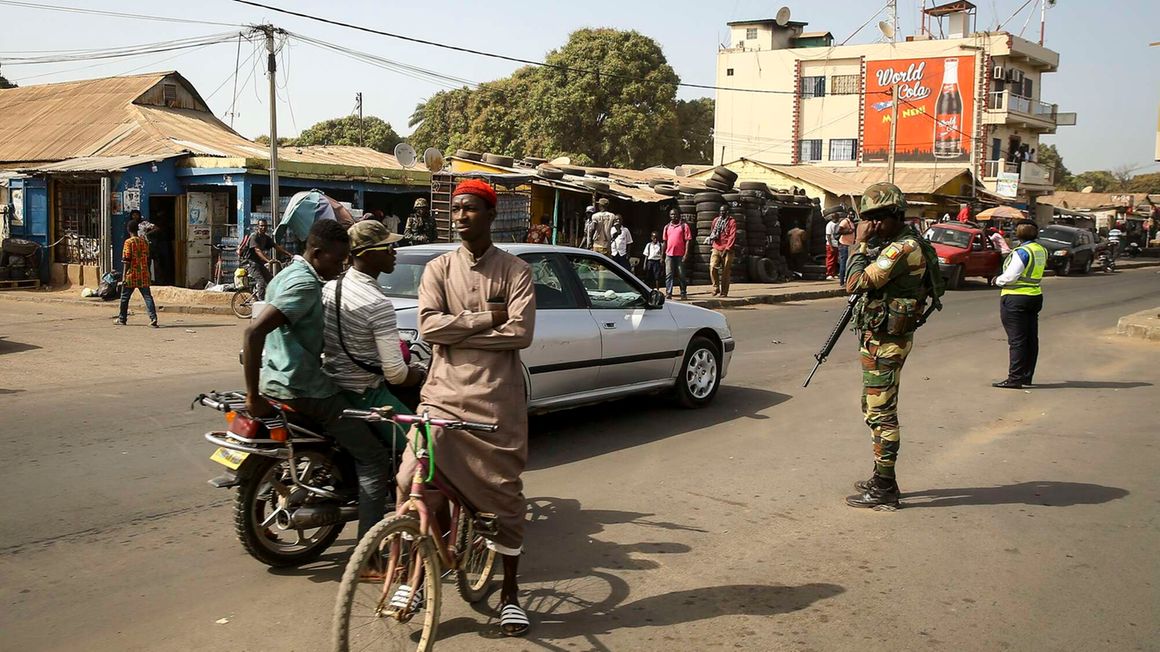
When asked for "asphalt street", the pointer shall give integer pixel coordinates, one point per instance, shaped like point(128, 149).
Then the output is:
point(1030, 520)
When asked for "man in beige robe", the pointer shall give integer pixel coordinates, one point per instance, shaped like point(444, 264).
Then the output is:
point(477, 308)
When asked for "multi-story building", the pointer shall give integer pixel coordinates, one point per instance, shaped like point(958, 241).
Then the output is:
point(966, 99)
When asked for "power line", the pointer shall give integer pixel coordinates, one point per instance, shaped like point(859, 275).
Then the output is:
point(114, 14)
point(414, 72)
point(129, 51)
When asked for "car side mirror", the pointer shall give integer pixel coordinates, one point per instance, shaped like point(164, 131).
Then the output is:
point(656, 299)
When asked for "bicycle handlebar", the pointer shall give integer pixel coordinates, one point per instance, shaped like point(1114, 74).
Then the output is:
point(386, 414)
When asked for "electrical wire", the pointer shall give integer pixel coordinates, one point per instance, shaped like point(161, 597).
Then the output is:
point(407, 70)
point(130, 51)
point(114, 14)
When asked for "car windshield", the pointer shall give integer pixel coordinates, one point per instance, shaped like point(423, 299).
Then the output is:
point(404, 281)
point(1057, 235)
point(951, 237)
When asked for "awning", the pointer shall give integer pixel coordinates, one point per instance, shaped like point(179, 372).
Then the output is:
point(93, 164)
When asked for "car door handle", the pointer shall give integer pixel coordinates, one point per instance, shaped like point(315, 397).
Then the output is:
point(609, 325)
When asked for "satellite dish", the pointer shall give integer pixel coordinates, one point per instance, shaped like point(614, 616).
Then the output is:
point(782, 17)
point(433, 159)
point(406, 155)
point(886, 28)
point(1087, 189)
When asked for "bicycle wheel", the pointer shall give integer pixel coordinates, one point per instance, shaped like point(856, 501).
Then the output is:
point(476, 561)
point(364, 617)
point(242, 304)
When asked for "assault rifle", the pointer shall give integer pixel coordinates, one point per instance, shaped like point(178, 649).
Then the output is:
point(832, 340)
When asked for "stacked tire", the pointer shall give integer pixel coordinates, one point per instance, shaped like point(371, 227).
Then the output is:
point(705, 207)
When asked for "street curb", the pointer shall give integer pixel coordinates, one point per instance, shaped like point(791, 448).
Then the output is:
point(805, 295)
point(1143, 325)
point(97, 303)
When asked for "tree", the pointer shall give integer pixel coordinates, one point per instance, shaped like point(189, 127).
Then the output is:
point(1145, 183)
point(1049, 157)
point(1123, 175)
point(4, 83)
point(369, 131)
point(264, 139)
point(607, 97)
point(1099, 180)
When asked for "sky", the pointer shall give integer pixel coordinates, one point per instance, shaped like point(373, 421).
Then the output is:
point(1108, 74)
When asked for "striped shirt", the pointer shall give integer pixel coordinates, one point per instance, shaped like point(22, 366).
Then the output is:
point(369, 331)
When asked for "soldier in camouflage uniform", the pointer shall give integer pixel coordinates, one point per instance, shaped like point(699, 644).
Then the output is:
point(887, 267)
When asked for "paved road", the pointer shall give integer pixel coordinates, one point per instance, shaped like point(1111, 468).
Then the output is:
point(1031, 518)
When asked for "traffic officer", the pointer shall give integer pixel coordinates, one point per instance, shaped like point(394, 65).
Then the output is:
point(1020, 303)
point(888, 269)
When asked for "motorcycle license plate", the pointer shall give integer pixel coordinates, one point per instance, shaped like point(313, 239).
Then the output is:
point(228, 458)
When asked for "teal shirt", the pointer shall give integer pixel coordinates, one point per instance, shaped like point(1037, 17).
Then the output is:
point(292, 363)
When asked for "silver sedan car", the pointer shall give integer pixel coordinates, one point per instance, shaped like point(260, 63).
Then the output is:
point(600, 332)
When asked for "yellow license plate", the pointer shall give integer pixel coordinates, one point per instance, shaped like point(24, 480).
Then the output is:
point(228, 458)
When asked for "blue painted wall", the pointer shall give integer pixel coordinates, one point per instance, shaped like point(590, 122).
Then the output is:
point(162, 182)
point(35, 226)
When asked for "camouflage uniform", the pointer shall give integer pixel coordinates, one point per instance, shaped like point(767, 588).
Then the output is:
point(891, 282)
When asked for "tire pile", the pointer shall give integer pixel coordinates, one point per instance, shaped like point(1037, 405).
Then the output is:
point(757, 256)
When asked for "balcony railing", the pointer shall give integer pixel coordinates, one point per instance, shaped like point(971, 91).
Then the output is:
point(1030, 173)
point(1008, 101)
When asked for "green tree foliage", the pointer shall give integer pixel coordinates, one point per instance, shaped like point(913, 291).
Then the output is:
point(1149, 183)
point(4, 83)
point(607, 97)
point(264, 139)
point(1099, 180)
point(1049, 157)
point(370, 131)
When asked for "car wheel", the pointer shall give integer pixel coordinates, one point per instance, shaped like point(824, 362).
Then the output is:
point(1065, 269)
point(956, 279)
point(700, 373)
point(1087, 267)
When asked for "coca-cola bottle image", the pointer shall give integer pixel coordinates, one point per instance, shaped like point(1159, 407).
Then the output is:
point(948, 114)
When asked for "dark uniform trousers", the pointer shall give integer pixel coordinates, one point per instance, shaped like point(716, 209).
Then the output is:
point(1020, 317)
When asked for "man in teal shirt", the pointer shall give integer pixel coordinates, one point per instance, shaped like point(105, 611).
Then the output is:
point(290, 332)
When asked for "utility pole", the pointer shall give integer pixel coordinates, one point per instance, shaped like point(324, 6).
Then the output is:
point(271, 71)
point(893, 93)
point(362, 131)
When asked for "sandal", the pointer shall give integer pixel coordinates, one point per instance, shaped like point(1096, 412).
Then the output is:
point(513, 620)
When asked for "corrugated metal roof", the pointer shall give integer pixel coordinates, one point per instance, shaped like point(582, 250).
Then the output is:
point(1087, 200)
point(93, 164)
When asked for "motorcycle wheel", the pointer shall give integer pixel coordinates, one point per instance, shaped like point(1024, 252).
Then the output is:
point(257, 501)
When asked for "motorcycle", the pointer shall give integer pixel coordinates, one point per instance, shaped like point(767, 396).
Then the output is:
point(1132, 250)
point(296, 488)
point(1106, 259)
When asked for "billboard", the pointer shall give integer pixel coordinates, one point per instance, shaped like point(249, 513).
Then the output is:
point(935, 112)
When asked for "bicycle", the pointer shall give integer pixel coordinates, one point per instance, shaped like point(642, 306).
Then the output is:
point(242, 303)
point(400, 560)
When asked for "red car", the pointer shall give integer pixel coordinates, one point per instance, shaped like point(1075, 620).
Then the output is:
point(964, 250)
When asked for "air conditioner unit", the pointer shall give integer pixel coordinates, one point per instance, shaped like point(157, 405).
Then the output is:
point(1017, 76)
point(997, 73)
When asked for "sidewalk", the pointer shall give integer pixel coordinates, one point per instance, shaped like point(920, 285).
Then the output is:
point(1144, 325)
point(181, 300)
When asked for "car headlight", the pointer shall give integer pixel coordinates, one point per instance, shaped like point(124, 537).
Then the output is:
point(1062, 252)
point(942, 260)
point(408, 334)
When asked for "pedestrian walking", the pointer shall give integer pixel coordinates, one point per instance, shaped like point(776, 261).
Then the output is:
point(832, 270)
point(890, 269)
point(654, 255)
point(676, 235)
point(723, 238)
point(135, 269)
point(477, 307)
point(845, 241)
point(586, 239)
point(621, 240)
point(1020, 303)
point(599, 232)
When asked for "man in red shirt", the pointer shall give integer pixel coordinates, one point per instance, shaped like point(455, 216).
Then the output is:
point(723, 237)
point(135, 263)
point(676, 236)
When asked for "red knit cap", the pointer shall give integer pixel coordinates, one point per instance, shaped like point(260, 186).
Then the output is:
point(479, 188)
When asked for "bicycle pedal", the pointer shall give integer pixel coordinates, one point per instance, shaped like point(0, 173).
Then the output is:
point(486, 523)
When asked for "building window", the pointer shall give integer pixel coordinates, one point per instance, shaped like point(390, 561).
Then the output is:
point(1027, 88)
point(810, 150)
point(845, 84)
point(813, 87)
point(78, 221)
point(843, 149)
point(728, 72)
point(169, 93)
point(751, 34)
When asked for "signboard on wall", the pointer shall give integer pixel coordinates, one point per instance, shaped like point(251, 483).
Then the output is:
point(1007, 184)
point(17, 207)
point(935, 112)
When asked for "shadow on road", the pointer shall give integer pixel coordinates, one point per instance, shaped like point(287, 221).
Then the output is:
point(571, 585)
point(1044, 493)
point(573, 435)
point(8, 346)
point(1091, 384)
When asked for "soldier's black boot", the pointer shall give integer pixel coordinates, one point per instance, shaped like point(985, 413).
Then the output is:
point(880, 492)
point(862, 485)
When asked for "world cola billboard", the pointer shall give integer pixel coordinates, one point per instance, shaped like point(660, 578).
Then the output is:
point(935, 111)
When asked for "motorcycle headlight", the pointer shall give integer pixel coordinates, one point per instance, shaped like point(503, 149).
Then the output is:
point(942, 259)
point(1062, 252)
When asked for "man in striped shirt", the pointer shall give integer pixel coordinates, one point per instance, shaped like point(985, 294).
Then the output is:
point(368, 355)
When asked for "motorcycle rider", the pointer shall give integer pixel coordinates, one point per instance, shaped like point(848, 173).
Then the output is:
point(362, 350)
point(282, 358)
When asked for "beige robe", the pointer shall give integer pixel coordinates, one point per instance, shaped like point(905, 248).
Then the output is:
point(476, 375)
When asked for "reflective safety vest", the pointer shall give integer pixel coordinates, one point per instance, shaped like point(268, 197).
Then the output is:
point(1028, 282)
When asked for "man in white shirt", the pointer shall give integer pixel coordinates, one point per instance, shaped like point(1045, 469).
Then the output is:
point(654, 255)
point(621, 239)
point(368, 355)
point(1114, 236)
